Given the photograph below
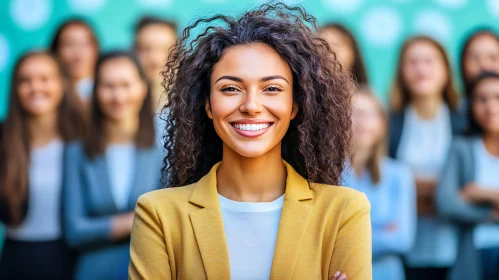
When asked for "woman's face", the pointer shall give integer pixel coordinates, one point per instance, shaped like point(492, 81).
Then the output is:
point(482, 54)
point(78, 51)
point(120, 89)
point(423, 69)
point(153, 44)
point(368, 126)
point(341, 45)
point(485, 105)
point(40, 87)
point(251, 99)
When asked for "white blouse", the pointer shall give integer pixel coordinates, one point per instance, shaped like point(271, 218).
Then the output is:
point(43, 219)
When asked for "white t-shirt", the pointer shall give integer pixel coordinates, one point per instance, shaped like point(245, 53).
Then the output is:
point(487, 165)
point(43, 219)
point(84, 88)
point(251, 233)
point(120, 160)
point(424, 144)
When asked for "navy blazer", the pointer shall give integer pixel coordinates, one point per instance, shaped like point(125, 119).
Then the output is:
point(89, 208)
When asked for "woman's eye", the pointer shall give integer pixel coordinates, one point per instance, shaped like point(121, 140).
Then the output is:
point(230, 89)
point(273, 89)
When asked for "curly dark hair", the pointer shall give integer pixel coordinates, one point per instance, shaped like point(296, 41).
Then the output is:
point(318, 139)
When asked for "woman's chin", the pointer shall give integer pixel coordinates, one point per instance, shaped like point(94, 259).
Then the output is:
point(253, 150)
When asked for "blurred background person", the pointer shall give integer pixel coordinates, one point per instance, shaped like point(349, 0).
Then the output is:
point(154, 38)
point(76, 44)
point(469, 188)
point(344, 44)
point(43, 116)
point(388, 184)
point(480, 52)
point(423, 120)
point(107, 172)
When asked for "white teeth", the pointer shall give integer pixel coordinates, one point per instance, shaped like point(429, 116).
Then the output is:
point(251, 127)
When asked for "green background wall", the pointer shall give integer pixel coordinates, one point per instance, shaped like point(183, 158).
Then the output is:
point(380, 25)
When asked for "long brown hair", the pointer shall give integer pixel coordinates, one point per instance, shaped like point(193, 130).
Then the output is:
point(378, 152)
point(96, 142)
point(15, 139)
point(358, 67)
point(400, 95)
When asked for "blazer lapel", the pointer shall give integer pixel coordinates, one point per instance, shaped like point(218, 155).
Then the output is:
point(208, 227)
point(293, 224)
point(99, 184)
point(145, 175)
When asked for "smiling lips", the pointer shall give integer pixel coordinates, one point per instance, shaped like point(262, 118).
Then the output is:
point(251, 130)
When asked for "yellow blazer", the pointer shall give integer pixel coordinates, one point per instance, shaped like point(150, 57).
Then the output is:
point(178, 233)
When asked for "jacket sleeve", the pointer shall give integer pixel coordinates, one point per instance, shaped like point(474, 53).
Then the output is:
point(81, 230)
point(449, 202)
point(400, 239)
point(148, 254)
point(352, 253)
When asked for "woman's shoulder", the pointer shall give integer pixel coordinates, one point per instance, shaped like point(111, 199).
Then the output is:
point(462, 144)
point(74, 148)
point(392, 167)
point(166, 198)
point(339, 196)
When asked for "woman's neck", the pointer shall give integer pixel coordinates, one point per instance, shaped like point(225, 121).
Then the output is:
point(123, 131)
point(157, 102)
point(43, 129)
point(260, 179)
point(78, 79)
point(427, 107)
point(491, 143)
point(359, 161)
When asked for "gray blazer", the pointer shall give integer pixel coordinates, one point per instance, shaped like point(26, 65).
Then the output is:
point(459, 171)
point(89, 208)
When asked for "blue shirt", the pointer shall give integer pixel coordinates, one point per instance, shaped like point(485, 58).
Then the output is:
point(393, 215)
point(487, 165)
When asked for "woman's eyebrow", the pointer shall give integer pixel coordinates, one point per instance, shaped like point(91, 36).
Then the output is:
point(264, 79)
point(268, 78)
point(232, 78)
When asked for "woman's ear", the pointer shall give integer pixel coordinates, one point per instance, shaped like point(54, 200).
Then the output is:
point(207, 108)
point(294, 110)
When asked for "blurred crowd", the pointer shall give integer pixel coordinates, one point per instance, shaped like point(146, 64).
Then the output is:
point(82, 140)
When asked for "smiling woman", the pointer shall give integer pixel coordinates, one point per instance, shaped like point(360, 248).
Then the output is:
point(107, 171)
point(44, 116)
point(257, 135)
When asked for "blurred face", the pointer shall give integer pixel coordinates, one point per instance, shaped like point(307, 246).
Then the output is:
point(482, 55)
point(341, 45)
point(368, 124)
point(77, 51)
point(40, 88)
point(153, 43)
point(486, 105)
point(423, 69)
point(251, 101)
point(120, 89)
